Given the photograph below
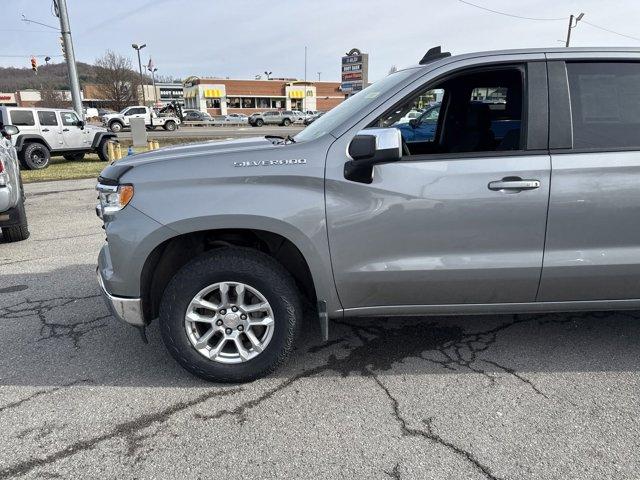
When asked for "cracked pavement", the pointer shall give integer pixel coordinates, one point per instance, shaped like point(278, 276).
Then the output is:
point(496, 397)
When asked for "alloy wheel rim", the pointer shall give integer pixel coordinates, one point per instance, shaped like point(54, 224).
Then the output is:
point(37, 158)
point(229, 322)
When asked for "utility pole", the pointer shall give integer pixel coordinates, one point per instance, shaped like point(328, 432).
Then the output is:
point(138, 48)
point(60, 7)
point(572, 25)
point(319, 73)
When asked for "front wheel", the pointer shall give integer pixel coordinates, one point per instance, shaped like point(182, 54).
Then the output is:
point(19, 232)
point(230, 315)
point(259, 122)
point(116, 127)
point(103, 149)
point(286, 122)
point(170, 126)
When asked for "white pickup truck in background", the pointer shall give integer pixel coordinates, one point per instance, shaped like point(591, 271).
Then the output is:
point(118, 121)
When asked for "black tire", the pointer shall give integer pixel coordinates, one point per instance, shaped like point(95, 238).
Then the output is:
point(17, 233)
point(235, 265)
point(103, 149)
point(35, 156)
point(115, 126)
point(259, 122)
point(170, 126)
point(286, 122)
point(74, 157)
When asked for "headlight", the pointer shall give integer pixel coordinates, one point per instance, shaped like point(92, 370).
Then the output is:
point(113, 198)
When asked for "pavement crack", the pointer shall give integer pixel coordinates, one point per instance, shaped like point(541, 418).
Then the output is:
point(40, 393)
point(515, 374)
point(430, 434)
point(395, 473)
point(122, 430)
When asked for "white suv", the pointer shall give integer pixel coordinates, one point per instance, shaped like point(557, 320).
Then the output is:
point(47, 132)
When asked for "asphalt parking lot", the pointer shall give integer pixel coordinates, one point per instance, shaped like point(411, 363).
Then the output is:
point(499, 397)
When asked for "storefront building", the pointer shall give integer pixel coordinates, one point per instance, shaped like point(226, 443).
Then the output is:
point(224, 96)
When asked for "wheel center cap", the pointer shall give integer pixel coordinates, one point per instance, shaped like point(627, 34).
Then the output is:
point(232, 320)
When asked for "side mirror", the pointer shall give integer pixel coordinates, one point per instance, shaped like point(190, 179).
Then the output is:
point(81, 124)
point(9, 130)
point(414, 122)
point(370, 147)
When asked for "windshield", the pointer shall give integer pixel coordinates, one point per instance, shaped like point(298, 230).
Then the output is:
point(123, 110)
point(349, 107)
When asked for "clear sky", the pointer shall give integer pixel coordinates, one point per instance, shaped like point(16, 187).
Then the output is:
point(242, 38)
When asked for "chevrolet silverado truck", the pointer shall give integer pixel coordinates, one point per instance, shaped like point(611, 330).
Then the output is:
point(223, 242)
point(116, 122)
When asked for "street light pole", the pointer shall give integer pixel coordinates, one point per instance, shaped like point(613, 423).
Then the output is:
point(61, 11)
point(138, 48)
point(572, 25)
point(304, 99)
point(153, 78)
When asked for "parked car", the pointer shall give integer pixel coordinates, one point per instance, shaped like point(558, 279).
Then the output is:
point(47, 132)
point(197, 116)
point(272, 118)
point(116, 122)
point(312, 118)
point(13, 218)
point(237, 118)
point(223, 245)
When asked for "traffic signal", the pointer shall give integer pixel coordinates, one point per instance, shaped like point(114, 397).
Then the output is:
point(34, 65)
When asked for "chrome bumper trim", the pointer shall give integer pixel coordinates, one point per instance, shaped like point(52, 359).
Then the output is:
point(128, 310)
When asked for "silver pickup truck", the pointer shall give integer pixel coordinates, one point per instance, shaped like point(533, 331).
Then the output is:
point(13, 219)
point(525, 197)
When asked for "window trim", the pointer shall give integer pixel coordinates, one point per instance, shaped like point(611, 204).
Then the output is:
point(541, 127)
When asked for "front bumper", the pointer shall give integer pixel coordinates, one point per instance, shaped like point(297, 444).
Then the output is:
point(128, 310)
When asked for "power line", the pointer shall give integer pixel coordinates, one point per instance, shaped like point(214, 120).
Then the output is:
point(27, 56)
point(512, 15)
point(611, 31)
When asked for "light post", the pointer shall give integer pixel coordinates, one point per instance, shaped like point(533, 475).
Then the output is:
point(153, 69)
point(319, 73)
point(268, 74)
point(572, 25)
point(138, 48)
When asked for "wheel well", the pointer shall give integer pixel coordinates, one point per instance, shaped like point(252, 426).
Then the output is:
point(27, 141)
point(168, 257)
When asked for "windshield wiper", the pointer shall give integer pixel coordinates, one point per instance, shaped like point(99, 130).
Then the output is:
point(289, 138)
point(285, 140)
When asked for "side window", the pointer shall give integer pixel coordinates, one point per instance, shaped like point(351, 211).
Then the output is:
point(22, 118)
point(47, 119)
point(605, 104)
point(476, 111)
point(69, 119)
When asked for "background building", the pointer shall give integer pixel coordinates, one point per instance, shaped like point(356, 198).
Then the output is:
point(225, 96)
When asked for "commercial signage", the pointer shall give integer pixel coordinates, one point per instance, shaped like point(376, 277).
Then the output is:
point(355, 71)
point(7, 97)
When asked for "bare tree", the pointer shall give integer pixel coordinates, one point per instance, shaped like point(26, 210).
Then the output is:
point(117, 82)
point(52, 98)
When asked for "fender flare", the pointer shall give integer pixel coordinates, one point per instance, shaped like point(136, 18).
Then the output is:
point(22, 139)
point(99, 136)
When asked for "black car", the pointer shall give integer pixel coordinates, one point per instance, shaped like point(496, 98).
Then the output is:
point(312, 118)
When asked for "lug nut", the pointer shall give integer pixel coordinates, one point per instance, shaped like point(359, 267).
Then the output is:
point(240, 328)
point(223, 312)
point(234, 309)
point(243, 316)
point(219, 323)
point(228, 331)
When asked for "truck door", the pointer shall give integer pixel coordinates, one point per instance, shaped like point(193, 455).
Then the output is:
point(592, 248)
point(461, 218)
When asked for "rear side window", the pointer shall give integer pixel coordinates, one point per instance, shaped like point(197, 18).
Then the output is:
point(605, 104)
point(22, 118)
point(47, 119)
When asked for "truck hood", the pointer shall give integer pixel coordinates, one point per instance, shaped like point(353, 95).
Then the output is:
point(111, 116)
point(213, 147)
point(93, 129)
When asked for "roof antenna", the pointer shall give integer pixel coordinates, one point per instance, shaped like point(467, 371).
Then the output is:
point(434, 54)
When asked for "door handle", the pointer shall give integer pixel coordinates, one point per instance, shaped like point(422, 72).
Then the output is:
point(65, 129)
point(514, 184)
point(45, 129)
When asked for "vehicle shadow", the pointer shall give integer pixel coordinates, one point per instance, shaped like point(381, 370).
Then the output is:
point(64, 335)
